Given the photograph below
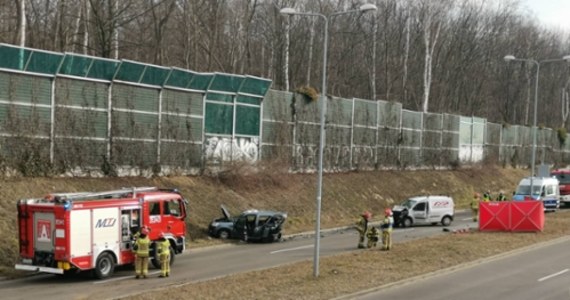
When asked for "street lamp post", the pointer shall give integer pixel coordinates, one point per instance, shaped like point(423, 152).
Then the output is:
point(292, 11)
point(509, 58)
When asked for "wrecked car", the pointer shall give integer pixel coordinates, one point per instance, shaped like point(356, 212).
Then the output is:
point(250, 225)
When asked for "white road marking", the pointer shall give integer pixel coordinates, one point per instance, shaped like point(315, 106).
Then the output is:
point(292, 249)
point(552, 275)
point(123, 278)
point(466, 219)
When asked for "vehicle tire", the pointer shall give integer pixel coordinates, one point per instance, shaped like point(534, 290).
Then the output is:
point(446, 221)
point(156, 260)
point(407, 222)
point(105, 266)
point(272, 238)
point(224, 234)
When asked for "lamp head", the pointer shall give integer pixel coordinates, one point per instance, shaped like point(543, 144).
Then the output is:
point(287, 11)
point(367, 7)
point(508, 58)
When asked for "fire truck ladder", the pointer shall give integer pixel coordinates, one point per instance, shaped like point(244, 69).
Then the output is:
point(120, 193)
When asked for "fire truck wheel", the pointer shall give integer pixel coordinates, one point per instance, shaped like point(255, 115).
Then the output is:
point(105, 266)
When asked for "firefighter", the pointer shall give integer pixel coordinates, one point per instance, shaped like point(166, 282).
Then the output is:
point(362, 227)
point(141, 249)
point(373, 236)
point(163, 250)
point(501, 196)
point(487, 196)
point(387, 225)
point(475, 206)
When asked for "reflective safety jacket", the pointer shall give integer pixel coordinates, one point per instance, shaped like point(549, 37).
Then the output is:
point(163, 247)
point(142, 246)
point(373, 234)
point(362, 226)
point(387, 224)
point(475, 203)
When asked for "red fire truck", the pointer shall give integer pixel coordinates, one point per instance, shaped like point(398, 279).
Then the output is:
point(563, 176)
point(68, 233)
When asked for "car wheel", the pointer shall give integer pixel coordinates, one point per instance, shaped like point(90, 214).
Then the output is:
point(105, 266)
point(407, 222)
point(224, 234)
point(446, 221)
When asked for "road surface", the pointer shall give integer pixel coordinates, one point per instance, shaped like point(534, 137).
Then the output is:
point(540, 273)
point(203, 264)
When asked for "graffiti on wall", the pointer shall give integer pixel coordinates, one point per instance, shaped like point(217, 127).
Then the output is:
point(336, 158)
point(228, 149)
point(305, 157)
point(363, 157)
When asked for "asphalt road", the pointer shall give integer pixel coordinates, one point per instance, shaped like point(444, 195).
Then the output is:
point(540, 273)
point(204, 264)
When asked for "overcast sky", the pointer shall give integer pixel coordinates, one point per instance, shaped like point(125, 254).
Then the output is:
point(551, 12)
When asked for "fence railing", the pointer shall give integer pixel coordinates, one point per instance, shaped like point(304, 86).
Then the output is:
point(71, 113)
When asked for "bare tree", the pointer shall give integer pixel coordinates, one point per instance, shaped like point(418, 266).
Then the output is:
point(565, 109)
point(430, 15)
point(286, 52)
point(22, 21)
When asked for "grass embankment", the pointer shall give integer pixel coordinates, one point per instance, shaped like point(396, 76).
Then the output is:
point(345, 196)
point(364, 269)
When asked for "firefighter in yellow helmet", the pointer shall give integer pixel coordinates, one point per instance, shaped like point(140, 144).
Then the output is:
point(373, 236)
point(163, 250)
point(475, 206)
point(387, 225)
point(362, 227)
point(141, 248)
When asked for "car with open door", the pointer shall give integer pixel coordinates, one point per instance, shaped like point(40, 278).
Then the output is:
point(250, 225)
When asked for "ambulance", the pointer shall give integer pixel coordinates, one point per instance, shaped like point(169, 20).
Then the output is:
point(545, 189)
point(66, 233)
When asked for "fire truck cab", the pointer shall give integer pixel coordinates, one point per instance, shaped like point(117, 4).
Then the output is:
point(563, 176)
point(72, 232)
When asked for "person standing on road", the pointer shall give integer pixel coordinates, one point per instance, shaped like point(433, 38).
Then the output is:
point(141, 249)
point(362, 227)
point(475, 206)
point(387, 225)
point(163, 250)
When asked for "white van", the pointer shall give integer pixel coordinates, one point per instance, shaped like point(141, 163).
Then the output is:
point(545, 189)
point(422, 210)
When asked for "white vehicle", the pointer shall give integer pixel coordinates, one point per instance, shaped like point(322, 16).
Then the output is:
point(545, 189)
point(423, 210)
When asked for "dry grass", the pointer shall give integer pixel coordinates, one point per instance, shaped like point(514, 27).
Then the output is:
point(360, 270)
point(345, 195)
